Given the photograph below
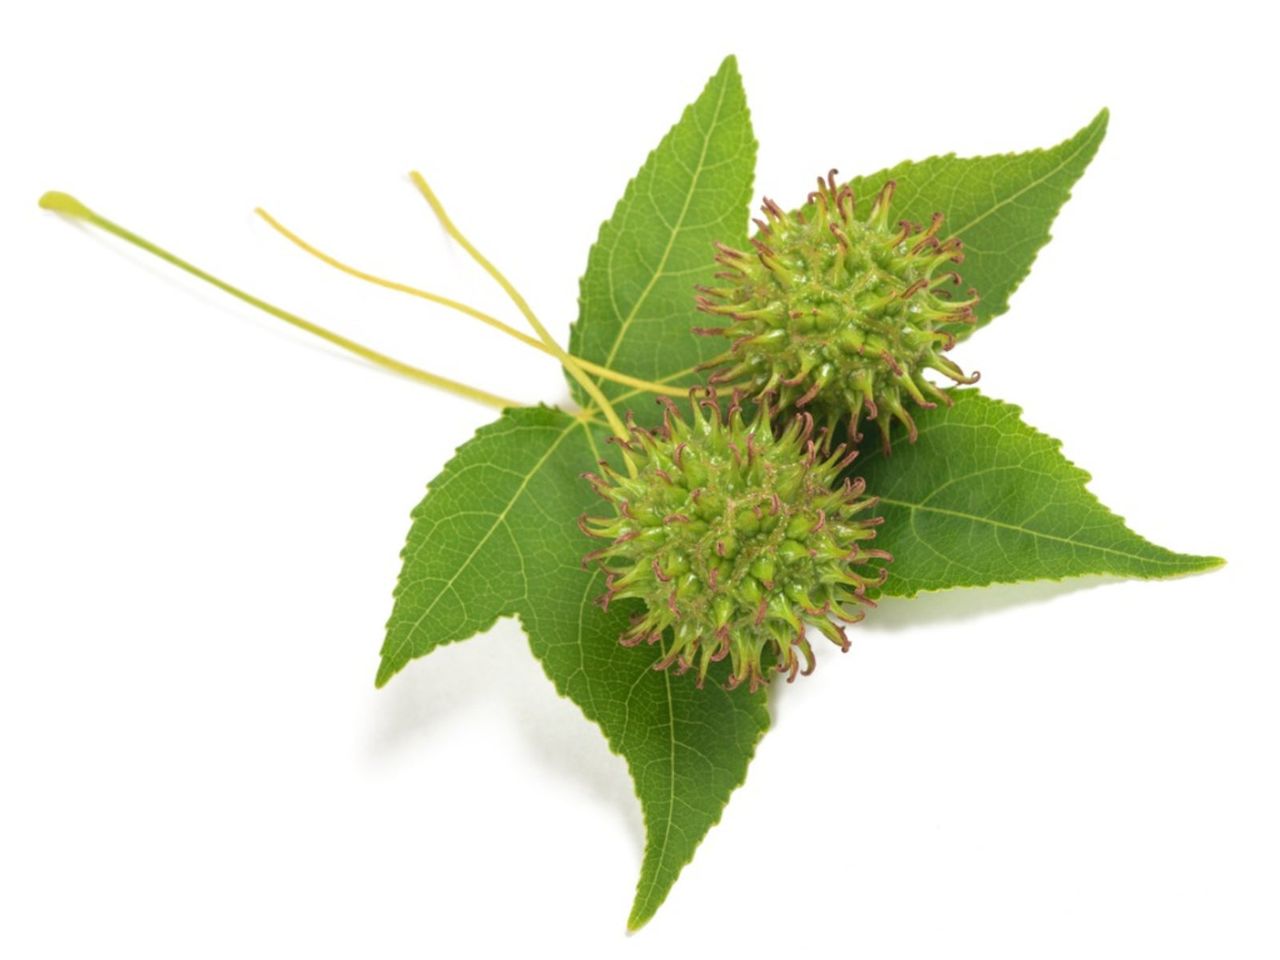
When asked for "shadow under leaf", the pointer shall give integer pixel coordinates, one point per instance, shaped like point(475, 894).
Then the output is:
point(495, 672)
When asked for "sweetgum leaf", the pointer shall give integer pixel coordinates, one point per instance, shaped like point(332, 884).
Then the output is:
point(496, 536)
point(636, 304)
point(983, 498)
point(1000, 206)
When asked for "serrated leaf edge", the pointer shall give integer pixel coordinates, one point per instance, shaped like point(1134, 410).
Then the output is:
point(961, 396)
point(729, 69)
point(1091, 136)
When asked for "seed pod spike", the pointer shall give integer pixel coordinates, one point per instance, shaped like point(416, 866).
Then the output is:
point(736, 533)
point(838, 314)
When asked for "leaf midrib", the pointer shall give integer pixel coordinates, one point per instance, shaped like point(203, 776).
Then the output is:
point(497, 522)
point(671, 718)
point(1031, 186)
point(674, 232)
point(960, 515)
point(671, 796)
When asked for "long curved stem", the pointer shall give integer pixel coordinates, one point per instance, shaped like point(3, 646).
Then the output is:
point(640, 385)
point(68, 205)
point(569, 363)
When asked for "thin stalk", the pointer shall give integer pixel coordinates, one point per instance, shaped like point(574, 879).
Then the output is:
point(589, 411)
point(682, 391)
point(569, 363)
point(643, 386)
point(68, 205)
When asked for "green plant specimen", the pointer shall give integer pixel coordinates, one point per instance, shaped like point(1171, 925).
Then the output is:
point(727, 528)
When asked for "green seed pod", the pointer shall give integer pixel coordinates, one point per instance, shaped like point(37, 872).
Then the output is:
point(837, 315)
point(735, 539)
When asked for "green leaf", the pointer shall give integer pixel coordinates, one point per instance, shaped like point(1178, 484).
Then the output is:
point(1000, 206)
point(983, 498)
point(636, 305)
point(497, 535)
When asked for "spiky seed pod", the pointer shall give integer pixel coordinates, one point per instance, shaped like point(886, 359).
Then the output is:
point(735, 539)
point(839, 315)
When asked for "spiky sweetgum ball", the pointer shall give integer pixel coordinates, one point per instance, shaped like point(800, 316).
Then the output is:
point(736, 536)
point(838, 315)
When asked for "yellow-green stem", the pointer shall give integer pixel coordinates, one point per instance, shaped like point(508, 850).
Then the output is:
point(640, 385)
point(569, 363)
point(68, 205)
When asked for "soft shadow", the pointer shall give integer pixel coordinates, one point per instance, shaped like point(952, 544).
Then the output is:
point(965, 604)
point(497, 672)
point(972, 603)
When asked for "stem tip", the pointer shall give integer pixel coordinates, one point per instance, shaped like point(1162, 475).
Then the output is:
point(60, 202)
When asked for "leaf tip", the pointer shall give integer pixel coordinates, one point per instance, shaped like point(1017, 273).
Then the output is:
point(1101, 120)
point(729, 64)
point(1187, 565)
point(386, 670)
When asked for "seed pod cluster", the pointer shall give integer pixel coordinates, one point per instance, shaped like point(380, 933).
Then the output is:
point(839, 315)
point(736, 534)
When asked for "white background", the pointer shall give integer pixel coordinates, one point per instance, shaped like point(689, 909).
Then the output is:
point(202, 510)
